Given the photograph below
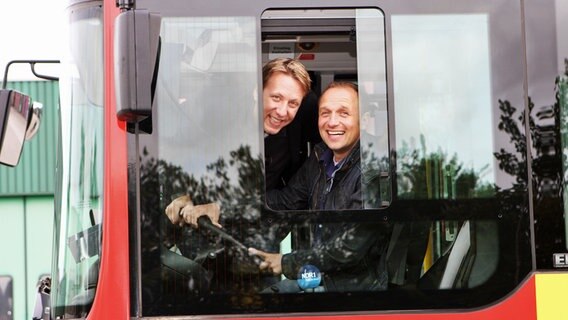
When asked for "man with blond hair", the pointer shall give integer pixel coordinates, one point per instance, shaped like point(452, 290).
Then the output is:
point(285, 84)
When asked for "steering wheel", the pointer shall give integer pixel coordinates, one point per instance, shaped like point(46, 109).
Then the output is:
point(210, 264)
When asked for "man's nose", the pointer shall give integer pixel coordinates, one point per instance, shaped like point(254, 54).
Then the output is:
point(333, 120)
point(282, 108)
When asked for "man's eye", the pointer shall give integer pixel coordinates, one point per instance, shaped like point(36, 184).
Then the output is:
point(294, 105)
point(276, 98)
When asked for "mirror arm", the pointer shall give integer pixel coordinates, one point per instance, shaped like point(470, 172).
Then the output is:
point(42, 76)
point(32, 64)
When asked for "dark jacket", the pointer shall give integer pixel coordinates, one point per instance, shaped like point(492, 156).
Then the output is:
point(283, 157)
point(287, 150)
point(349, 255)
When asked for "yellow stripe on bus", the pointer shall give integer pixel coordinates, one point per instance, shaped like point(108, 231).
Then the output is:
point(551, 296)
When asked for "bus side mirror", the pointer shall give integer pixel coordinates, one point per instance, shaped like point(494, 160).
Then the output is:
point(19, 121)
point(137, 51)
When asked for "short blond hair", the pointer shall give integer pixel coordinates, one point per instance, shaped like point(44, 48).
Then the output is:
point(291, 67)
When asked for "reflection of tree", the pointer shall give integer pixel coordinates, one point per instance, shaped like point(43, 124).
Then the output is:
point(514, 164)
point(217, 185)
point(235, 184)
point(435, 175)
point(549, 143)
point(513, 205)
point(545, 125)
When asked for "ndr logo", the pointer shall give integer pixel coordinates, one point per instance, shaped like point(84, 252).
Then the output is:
point(309, 277)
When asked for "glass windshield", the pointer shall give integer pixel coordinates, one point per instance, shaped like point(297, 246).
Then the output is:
point(392, 175)
point(444, 106)
point(79, 215)
point(205, 143)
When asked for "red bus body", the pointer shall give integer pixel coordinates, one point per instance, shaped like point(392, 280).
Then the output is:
point(113, 298)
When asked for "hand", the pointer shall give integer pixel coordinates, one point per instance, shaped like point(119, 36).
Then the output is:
point(272, 261)
point(191, 213)
point(181, 211)
point(173, 210)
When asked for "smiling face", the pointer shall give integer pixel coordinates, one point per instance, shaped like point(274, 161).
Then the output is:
point(338, 120)
point(281, 97)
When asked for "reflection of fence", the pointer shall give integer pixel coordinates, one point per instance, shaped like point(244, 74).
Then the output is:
point(440, 178)
point(436, 176)
point(6, 298)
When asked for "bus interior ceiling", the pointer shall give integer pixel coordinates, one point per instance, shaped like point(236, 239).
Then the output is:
point(323, 40)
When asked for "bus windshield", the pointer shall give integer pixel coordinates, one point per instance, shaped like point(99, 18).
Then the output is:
point(79, 203)
point(349, 154)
